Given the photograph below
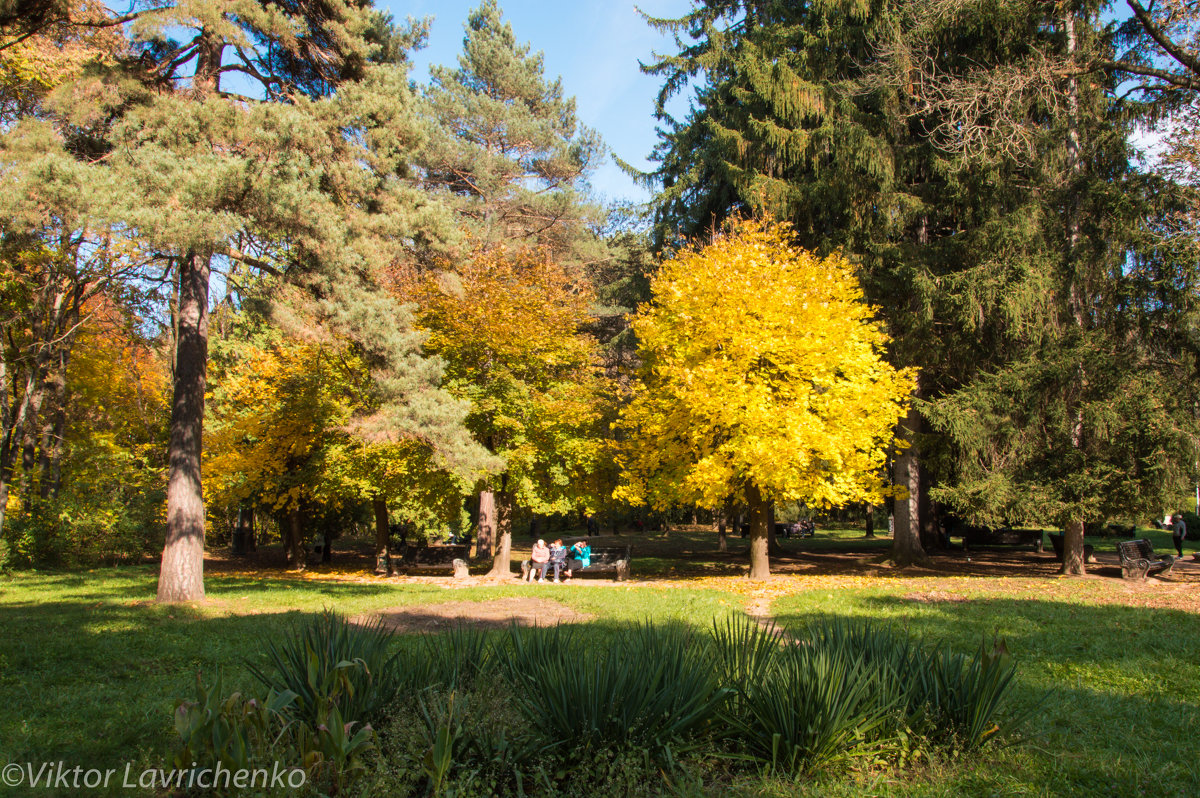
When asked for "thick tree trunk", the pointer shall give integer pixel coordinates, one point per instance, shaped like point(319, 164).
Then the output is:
point(383, 561)
point(906, 538)
point(181, 576)
point(501, 565)
point(760, 564)
point(720, 522)
point(1073, 556)
point(931, 538)
point(870, 521)
point(485, 529)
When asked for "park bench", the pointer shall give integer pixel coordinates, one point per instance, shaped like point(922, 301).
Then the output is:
point(605, 559)
point(1138, 559)
point(986, 536)
point(417, 556)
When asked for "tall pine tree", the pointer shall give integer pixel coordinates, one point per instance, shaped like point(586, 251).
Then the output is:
point(300, 165)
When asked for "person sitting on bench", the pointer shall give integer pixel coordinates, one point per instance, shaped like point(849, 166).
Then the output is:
point(580, 556)
point(540, 559)
point(558, 557)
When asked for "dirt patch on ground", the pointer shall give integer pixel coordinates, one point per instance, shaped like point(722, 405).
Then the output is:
point(495, 614)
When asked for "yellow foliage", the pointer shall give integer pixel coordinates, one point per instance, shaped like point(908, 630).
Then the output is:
point(508, 324)
point(762, 366)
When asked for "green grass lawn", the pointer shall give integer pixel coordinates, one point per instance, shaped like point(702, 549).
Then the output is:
point(90, 667)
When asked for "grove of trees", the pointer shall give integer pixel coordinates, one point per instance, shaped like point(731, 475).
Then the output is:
point(897, 251)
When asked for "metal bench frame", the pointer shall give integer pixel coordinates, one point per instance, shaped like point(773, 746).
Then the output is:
point(1138, 559)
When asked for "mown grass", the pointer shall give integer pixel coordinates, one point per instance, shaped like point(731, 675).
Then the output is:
point(90, 667)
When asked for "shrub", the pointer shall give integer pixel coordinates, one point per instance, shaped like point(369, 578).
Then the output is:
point(849, 688)
point(331, 661)
point(654, 687)
point(813, 704)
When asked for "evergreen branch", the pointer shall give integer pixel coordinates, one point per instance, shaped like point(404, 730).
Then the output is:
point(251, 261)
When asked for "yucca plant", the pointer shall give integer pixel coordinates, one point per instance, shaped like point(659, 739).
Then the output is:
point(453, 658)
point(817, 705)
point(332, 661)
point(745, 649)
point(960, 696)
point(653, 687)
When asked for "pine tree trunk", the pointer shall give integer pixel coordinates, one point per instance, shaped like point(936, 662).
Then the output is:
point(906, 539)
point(501, 563)
point(485, 529)
point(760, 564)
point(383, 563)
point(1073, 552)
point(1073, 559)
point(181, 576)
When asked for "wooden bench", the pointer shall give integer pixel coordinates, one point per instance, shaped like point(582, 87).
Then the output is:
point(414, 556)
point(986, 536)
point(605, 559)
point(1138, 559)
point(1056, 540)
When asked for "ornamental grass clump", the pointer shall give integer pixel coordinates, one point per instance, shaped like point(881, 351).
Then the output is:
point(652, 687)
point(332, 662)
point(851, 689)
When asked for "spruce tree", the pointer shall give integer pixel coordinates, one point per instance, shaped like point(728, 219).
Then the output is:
point(960, 242)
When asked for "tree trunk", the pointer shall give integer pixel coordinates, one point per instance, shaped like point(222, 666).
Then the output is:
point(773, 547)
point(931, 538)
point(1073, 559)
point(719, 521)
point(870, 521)
point(501, 565)
point(760, 565)
point(181, 576)
point(906, 538)
point(383, 562)
point(485, 529)
point(297, 556)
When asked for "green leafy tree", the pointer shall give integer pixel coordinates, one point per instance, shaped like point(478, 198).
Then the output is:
point(510, 326)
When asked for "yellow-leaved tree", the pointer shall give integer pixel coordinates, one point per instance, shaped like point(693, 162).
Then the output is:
point(763, 377)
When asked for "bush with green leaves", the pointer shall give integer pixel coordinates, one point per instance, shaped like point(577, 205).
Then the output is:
point(242, 733)
point(469, 712)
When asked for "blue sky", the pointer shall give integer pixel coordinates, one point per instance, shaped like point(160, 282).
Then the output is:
point(594, 45)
